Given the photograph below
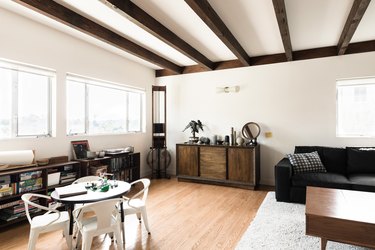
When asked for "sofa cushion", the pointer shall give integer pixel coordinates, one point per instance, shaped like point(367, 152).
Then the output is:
point(361, 160)
point(333, 159)
point(363, 182)
point(306, 163)
point(329, 180)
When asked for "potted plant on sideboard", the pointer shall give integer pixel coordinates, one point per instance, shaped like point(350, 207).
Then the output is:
point(194, 126)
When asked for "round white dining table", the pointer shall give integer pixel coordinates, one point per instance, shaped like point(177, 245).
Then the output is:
point(91, 196)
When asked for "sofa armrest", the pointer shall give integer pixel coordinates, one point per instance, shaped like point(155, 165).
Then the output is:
point(283, 174)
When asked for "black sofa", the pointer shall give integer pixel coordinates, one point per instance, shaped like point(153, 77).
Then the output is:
point(350, 168)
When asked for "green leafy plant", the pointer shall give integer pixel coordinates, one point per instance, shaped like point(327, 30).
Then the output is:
point(194, 126)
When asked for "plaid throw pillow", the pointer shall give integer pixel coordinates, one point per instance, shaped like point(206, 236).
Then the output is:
point(306, 163)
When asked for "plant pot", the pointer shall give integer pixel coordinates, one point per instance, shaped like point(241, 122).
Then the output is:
point(193, 139)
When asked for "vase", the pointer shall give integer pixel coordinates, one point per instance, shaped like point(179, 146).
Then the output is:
point(239, 141)
point(193, 139)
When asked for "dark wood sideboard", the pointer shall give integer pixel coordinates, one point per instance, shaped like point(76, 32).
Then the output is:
point(236, 166)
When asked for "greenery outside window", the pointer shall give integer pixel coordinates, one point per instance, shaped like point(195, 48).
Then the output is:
point(355, 107)
point(99, 107)
point(26, 100)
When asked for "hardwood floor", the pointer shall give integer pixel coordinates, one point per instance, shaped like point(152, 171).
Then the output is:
point(181, 215)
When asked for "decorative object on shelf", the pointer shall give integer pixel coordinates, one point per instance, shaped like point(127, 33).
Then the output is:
point(214, 139)
point(228, 89)
point(42, 162)
point(194, 126)
point(226, 140)
point(101, 154)
point(204, 140)
point(17, 159)
point(239, 141)
point(90, 154)
point(80, 149)
point(251, 131)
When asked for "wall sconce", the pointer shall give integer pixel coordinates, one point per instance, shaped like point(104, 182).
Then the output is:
point(227, 89)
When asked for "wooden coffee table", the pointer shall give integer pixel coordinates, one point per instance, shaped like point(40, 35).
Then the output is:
point(341, 215)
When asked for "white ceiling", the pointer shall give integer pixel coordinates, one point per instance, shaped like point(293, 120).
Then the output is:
point(312, 24)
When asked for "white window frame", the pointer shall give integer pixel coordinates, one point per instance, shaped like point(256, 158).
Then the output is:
point(87, 81)
point(15, 68)
point(363, 81)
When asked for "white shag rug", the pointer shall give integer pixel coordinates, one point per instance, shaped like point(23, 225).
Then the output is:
point(280, 225)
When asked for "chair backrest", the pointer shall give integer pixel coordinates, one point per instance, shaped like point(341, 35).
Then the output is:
point(104, 210)
point(144, 192)
point(87, 179)
point(27, 201)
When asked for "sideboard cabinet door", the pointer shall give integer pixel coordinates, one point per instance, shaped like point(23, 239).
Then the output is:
point(213, 162)
point(241, 165)
point(187, 160)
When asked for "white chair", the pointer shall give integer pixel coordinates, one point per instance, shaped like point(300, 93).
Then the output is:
point(137, 204)
point(106, 220)
point(52, 220)
point(87, 179)
point(84, 179)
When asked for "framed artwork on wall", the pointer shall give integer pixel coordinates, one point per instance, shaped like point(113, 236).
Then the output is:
point(80, 149)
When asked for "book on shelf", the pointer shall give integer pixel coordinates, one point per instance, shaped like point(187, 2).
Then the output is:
point(18, 209)
point(68, 167)
point(6, 191)
point(30, 182)
point(68, 175)
point(69, 180)
point(9, 217)
point(16, 203)
point(70, 190)
point(5, 179)
point(30, 175)
point(29, 185)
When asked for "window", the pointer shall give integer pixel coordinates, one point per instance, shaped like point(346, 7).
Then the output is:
point(355, 107)
point(25, 100)
point(98, 107)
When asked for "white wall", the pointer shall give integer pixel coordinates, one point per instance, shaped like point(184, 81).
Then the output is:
point(30, 42)
point(296, 101)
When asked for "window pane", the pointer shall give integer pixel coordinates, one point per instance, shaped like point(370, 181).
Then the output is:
point(33, 104)
point(106, 110)
point(5, 103)
point(75, 93)
point(355, 110)
point(134, 112)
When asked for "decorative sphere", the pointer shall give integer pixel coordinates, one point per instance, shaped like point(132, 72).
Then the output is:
point(239, 141)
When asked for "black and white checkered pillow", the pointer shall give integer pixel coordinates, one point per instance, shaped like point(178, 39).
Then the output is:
point(306, 163)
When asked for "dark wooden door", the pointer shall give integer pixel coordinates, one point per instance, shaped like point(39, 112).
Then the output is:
point(213, 162)
point(241, 165)
point(187, 160)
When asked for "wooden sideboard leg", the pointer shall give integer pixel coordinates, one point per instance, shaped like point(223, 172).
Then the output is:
point(323, 242)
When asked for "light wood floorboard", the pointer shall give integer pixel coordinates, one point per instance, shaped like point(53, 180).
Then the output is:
point(182, 215)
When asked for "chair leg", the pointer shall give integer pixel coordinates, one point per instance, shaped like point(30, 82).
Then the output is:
point(86, 242)
point(68, 237)
point(139, 217)
point(118, 239)
point(123, 232)
point(33, 236)
point(79, 239)
point(145, 220)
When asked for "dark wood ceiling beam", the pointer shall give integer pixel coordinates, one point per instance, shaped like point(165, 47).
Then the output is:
point(353, 48)
point(85, 25)
point(280, 11)
point(204, 10)
point(356, 13)
point(151, 25)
